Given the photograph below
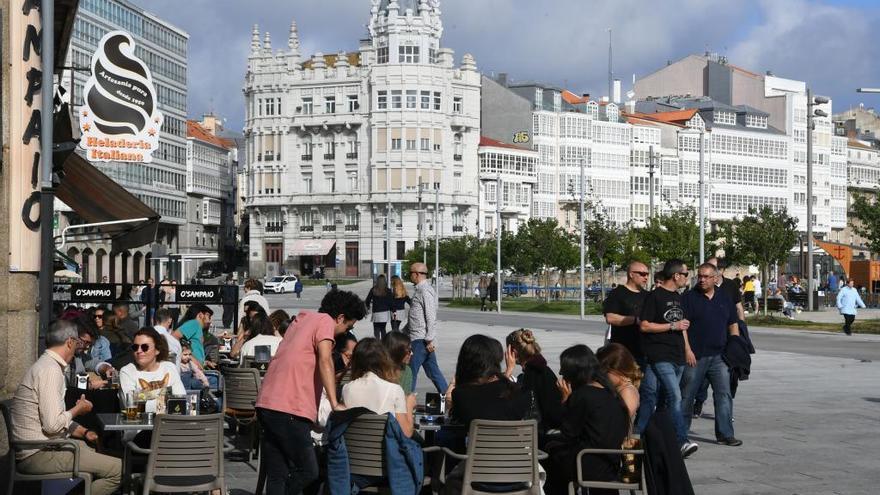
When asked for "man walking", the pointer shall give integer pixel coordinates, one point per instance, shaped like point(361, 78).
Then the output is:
point(422, 328)
point(150, 300)
point(713, 317)
point(664, 327)
point(38, 414)
point(622, 309)
point(848, 300)
point(229, 298)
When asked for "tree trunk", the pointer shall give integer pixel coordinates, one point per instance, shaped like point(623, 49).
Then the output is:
point(765, 272)
point(602, 277)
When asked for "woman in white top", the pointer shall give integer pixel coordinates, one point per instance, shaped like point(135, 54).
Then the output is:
point(253, 332)
point(374, 385)
point(151, 372)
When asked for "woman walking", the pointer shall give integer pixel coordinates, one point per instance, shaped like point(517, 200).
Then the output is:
point(379, 302)
point(398, 302)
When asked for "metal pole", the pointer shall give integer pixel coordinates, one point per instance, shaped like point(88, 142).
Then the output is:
point(583, 243)
point(421, 216)
point(388, 241)
point(47, 192)
point(809, 200)
point(437, 239)
point(702, 212)
point(499, 287)
point(651, 181)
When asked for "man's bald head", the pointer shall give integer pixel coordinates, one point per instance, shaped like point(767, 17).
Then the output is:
point(418, 271)
point(637, 273)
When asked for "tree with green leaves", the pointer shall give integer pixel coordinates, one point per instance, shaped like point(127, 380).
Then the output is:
point(867, 211)
point(765, 237)
point(541, 245)
point(603, 239)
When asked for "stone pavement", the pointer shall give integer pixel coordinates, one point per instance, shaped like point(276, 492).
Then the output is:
point(809, 423)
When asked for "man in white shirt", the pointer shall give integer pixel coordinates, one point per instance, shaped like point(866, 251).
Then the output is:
point(164, 321)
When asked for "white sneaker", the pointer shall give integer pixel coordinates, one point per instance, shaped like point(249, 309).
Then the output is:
point(688, 448)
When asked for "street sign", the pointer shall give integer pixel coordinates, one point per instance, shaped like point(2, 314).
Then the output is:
point(119, 119)
point(197, 293)
point(92, 292)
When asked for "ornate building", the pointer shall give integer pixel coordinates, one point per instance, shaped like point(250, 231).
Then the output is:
point(339, 146)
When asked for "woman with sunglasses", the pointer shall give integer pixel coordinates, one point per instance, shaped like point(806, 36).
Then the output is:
point(151, 372)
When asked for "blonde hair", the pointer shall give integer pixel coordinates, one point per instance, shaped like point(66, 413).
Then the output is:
point(524, 344)
point(398, 288)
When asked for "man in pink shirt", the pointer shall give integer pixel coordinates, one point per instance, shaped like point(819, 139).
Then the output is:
point(291, 390)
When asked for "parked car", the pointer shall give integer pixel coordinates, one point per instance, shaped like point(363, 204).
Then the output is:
point(515, 288)
point(280, 284)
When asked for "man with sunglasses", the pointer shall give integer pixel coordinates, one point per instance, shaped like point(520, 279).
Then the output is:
point(422, 328)
point(622, 309)
point(664, 327)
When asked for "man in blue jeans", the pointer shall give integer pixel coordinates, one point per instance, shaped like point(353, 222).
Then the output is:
point(422, 328)
point(664, 325)
point(713, 317)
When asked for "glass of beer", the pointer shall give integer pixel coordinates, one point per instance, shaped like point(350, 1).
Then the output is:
point(141, 406)
point(129, 406)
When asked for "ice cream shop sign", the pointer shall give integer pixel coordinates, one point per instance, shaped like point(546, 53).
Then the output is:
point(119, 119)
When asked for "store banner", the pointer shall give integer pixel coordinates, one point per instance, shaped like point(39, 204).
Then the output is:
point(119, 119)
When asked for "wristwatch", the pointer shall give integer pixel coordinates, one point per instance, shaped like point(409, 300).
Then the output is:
point(672, 326)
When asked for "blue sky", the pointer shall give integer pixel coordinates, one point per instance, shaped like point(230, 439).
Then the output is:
point(828, 43)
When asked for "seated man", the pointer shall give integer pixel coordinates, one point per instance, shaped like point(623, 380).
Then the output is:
point(92, 356)
point(38, 413)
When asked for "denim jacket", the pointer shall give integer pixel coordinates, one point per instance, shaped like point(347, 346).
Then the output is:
point(99, 353)
point(403, 457)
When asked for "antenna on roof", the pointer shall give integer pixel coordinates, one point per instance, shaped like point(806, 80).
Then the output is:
point(610, 72)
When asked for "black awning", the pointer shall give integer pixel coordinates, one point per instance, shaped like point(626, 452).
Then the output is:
point(97, 198)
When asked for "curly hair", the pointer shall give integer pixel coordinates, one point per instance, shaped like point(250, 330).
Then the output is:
point(159, 342)
point(617, 358)
point(341, 302)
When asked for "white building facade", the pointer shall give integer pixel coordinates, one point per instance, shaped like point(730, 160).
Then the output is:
point(516, 168)
point(339, 146)
point(161, 184)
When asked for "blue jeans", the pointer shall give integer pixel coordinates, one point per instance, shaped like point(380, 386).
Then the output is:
point(661, 380)
point(421, 358)
point(713, 369)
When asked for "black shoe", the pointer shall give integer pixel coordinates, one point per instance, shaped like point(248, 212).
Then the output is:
point(698, 409)
point(731, 442)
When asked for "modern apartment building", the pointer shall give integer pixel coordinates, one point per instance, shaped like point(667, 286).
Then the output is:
point(161, 184)
point(776, 104)
point(340, 147)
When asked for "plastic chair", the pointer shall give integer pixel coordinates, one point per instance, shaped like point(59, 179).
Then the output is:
point(242, 385)
point(185, 455)
point(10, 472)
point(580, 482)
point(502, 457)
point(365, 442)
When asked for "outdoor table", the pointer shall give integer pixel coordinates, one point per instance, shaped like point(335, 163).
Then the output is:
point(117, 422)
point(104, 400)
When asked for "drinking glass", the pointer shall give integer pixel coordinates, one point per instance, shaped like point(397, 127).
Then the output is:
point(129, 406)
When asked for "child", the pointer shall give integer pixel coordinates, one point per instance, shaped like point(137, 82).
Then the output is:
point(191, 373)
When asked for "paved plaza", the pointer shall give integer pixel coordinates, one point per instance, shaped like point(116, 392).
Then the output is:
point(809, 416)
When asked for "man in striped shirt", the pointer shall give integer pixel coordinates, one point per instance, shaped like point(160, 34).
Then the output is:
point(38, 414)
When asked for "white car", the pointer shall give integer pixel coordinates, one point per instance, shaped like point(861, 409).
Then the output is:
point(280, 284)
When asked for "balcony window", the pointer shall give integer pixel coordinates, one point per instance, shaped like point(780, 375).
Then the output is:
point(408, 54)
point(456, 104)
point(330, 104)
point(383, 100)
point(307, 106)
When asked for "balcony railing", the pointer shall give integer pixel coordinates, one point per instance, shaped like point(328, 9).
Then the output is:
point(274, 228)
point(329, 156)
point(351, 156)
point(352, 228)
point(307, 158)
point(456, 158)
point(458, 228)
point(307, 228)
point(329, 228)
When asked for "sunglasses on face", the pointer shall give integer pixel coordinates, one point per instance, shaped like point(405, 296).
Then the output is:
point(99, 317)
point(419, 273)
point(142, 347)
point(641, 274)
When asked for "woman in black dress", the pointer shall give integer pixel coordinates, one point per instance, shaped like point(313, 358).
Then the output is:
point(537, 380)
point(593, 417)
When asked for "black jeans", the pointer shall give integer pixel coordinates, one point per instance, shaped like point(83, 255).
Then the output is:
point(288, 452)
point(379, 330)
point(847, 323)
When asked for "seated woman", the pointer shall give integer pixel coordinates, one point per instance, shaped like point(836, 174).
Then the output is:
point(191, 373)
point(374, 385)
point(787, 307)
point(623, 372)
point(400, 350)
point(537, 379)
point(151, 372)
point(260, 331)
point(479, 389)
point(593, 417)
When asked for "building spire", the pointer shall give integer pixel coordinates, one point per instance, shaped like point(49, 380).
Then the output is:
point(255, 39)
point(293, 39)
point(267, 43)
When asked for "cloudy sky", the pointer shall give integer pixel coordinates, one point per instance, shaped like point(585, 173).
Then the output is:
point(828, 43)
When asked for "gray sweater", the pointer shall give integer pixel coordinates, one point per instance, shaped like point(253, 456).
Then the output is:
point(422, 322)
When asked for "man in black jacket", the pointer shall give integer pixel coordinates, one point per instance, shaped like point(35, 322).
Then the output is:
point(150, 299)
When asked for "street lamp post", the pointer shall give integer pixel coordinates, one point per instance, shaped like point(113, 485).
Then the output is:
point(437, 239)
point(702, 212)
point(583, 282)
point(811, 126)
point(498, 284)
point(388, 241)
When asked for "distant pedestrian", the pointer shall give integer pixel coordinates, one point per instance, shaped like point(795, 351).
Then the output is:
point(493, 294)
point(229, 298)
point(378, 301)
point(848, 300)
point(484, 292)
point(422, 328)
point(399, 300)
point(298, 287)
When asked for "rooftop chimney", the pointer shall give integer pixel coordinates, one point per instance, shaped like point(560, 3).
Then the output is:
point(502, 79)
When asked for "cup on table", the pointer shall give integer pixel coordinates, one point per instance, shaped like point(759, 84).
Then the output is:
point(193, 403)
point(129, 406)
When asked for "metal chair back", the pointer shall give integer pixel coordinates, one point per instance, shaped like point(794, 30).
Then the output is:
point(580, 482)
point(502, 454)
point(242, 388)
point(364, 440)
point(186, 454)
